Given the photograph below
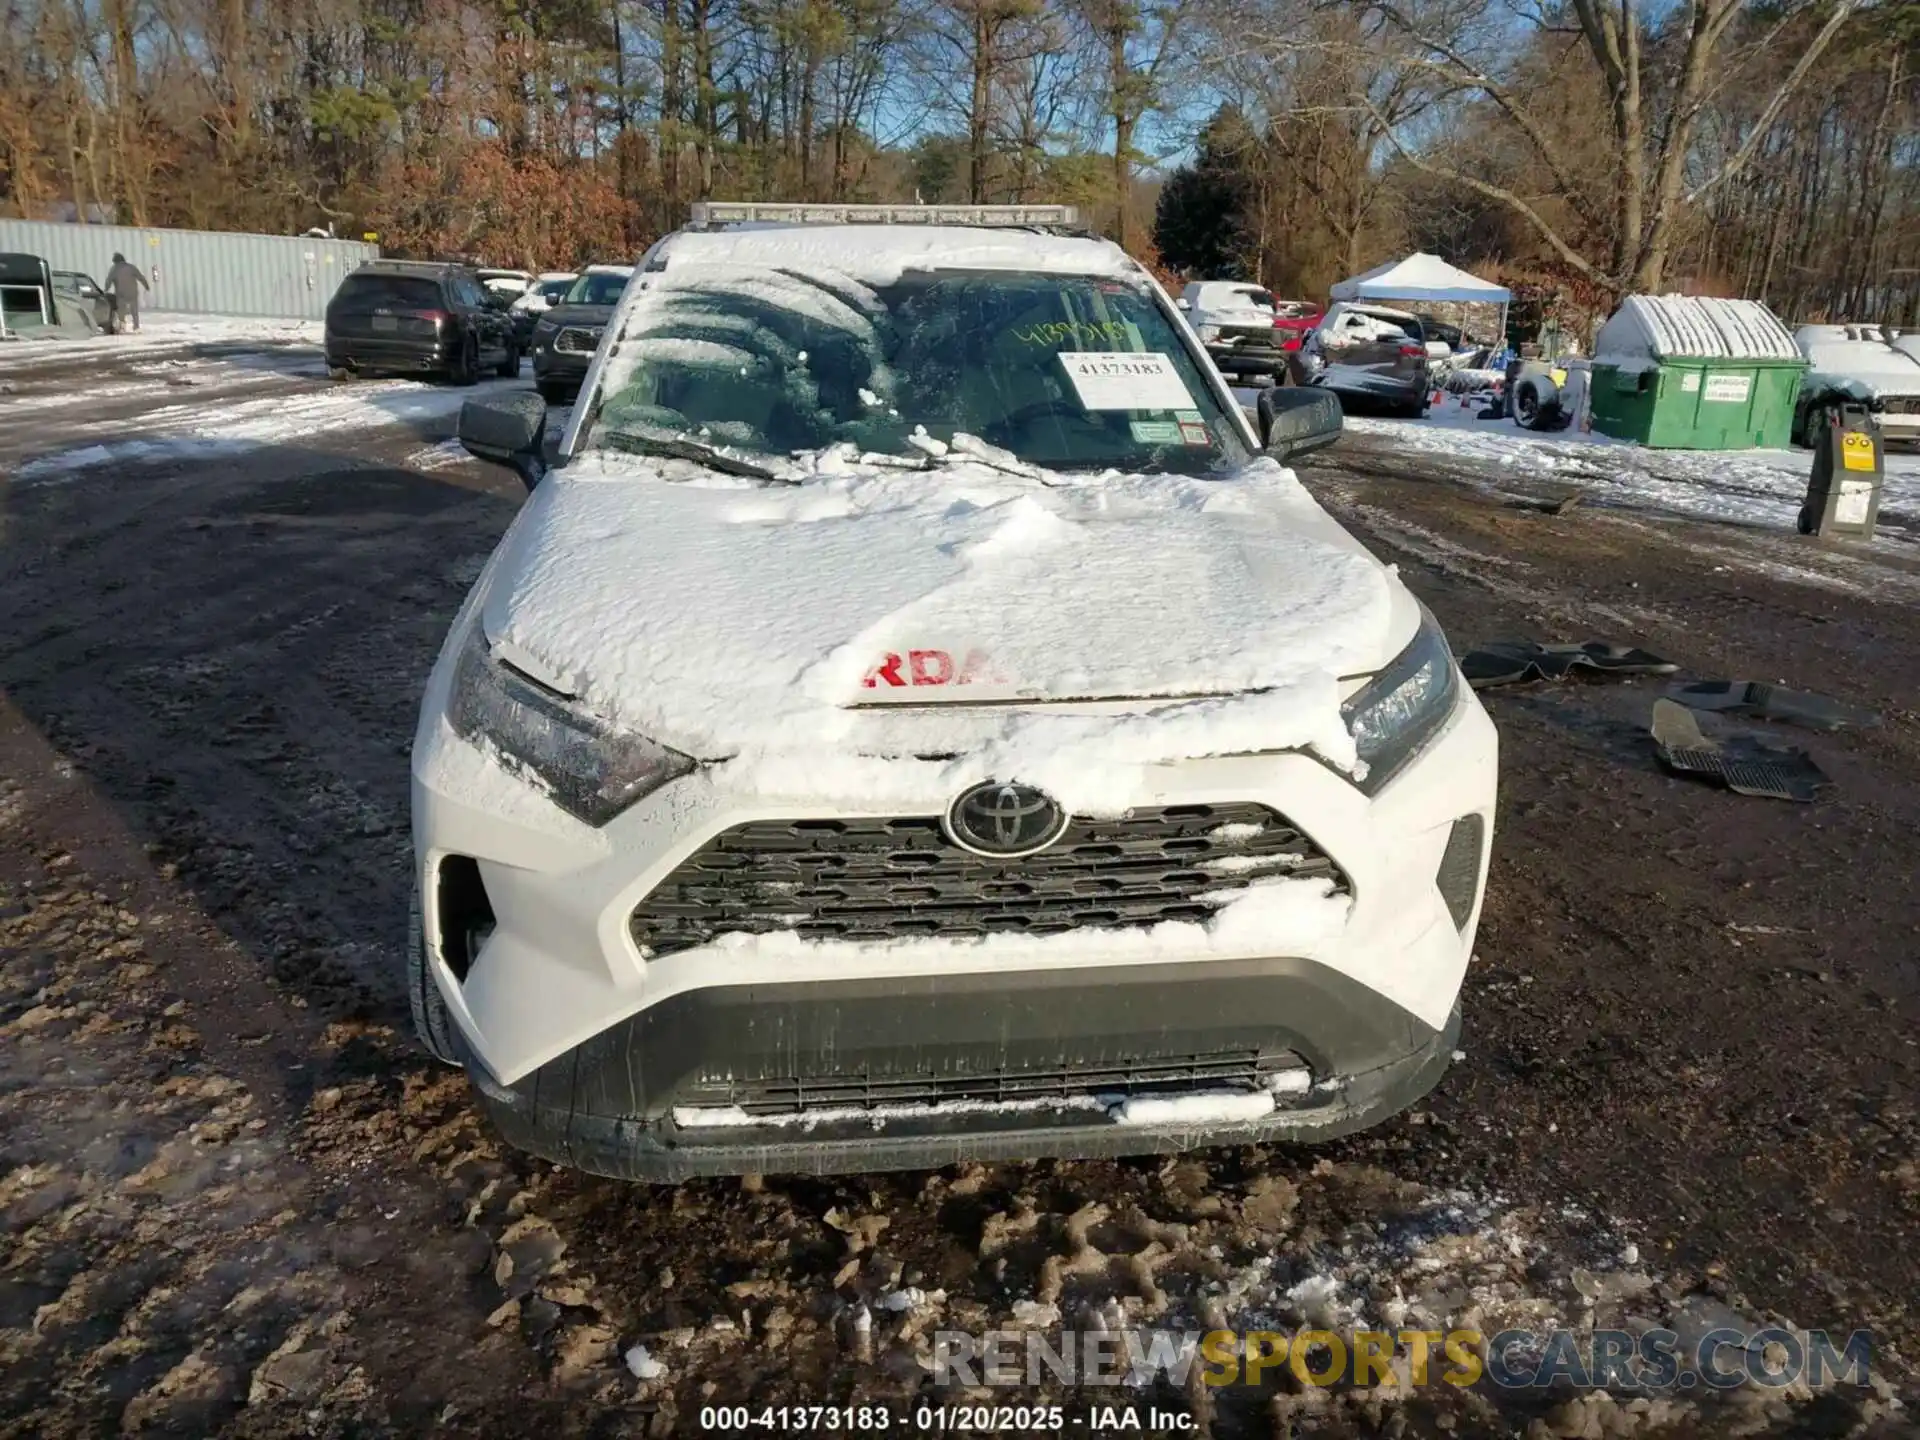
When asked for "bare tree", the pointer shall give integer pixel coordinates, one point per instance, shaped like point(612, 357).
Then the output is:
point(1658, 79)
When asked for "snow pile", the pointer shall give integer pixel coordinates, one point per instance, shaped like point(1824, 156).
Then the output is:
point(732, 1117)
point(1198, 1109)
point(1195, 1109)
point(728, 619)
point(880, 254)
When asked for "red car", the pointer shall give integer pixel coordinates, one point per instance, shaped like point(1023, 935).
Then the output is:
point(1295, 318)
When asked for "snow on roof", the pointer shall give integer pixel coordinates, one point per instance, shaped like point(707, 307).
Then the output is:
point(609, 270)
point(1669, 326)
point(880, 254)
point(1420, 277)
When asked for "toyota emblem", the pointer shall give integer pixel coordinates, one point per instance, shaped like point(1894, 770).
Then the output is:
point(1005, 821)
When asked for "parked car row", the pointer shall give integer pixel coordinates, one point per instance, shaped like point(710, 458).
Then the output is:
point(1354, 350)
point(454, 322)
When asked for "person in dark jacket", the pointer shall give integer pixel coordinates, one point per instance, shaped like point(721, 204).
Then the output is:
point(125, 282)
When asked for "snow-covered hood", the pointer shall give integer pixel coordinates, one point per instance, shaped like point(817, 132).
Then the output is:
point(578, 314)
point(722, 617)
point(1866, 369)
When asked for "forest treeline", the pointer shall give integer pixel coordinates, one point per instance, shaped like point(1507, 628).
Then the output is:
point(1759, 147)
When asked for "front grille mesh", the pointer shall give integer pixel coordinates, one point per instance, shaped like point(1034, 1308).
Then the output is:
point(892, 879)
point(577, 340)
point(1245, 1071)
point(1252, 336)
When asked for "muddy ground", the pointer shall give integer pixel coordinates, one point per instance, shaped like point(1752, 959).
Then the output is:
point(235, 1200)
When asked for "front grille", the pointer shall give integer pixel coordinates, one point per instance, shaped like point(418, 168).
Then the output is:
point(1253, 336)
point(577, 340)
point(1902, 405)
point(1247, 1071)
point(894, 879)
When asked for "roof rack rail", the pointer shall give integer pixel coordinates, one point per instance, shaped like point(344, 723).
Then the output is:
point(708, 214)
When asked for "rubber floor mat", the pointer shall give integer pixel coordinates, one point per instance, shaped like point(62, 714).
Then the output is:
point(1771, 702)
point(1511, 662)
point(1743, 763)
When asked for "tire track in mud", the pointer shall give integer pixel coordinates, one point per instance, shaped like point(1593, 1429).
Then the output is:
point(172, 1260)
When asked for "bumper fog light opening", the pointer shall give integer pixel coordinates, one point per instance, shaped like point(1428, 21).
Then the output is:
point(464, 912)
point(1458, 877)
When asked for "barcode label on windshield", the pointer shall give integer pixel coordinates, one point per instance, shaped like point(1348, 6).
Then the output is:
point(1125, 380)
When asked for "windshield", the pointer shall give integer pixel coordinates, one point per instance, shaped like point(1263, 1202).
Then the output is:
point(553, 291)
point(1066, 372)
point(597, 290)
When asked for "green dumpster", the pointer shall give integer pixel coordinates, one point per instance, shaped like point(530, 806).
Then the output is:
point(1685, 372)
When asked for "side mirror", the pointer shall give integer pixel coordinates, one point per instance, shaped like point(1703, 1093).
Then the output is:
point(1184, 303)
point(1296, 420)
point(508, 430)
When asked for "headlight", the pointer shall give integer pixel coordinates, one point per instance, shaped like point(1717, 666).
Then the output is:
point(1398, 710)
point(592, 771)
point(1209, 333)
point(543, 328)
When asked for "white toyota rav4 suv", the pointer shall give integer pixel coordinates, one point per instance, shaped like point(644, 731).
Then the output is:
point(915, 722)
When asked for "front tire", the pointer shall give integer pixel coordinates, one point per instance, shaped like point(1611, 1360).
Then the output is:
point(554, 394)
point(510, 366)
point(431, 1023)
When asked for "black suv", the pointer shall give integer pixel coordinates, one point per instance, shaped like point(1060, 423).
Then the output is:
point(419, 318)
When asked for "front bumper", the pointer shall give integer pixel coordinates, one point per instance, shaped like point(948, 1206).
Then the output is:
point(608, 1106)
point(1247, 360)
point(1902, 425)
point(560, 366)
point(584, 1047)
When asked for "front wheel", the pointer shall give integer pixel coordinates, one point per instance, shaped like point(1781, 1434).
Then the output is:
point(554, 394)
point(510, 366)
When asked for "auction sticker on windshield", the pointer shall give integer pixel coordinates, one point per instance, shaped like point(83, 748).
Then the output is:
point(1125, 380)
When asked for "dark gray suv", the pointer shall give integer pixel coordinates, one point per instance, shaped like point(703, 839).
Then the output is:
point(412, 317)
point(565, 338)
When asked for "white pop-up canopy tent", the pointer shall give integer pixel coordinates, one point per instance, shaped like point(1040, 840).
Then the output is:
point(1424, 277)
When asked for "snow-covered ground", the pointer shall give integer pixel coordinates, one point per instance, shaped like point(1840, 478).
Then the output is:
point(190, 386)
point(158, 330)
point(220, 426)
point(1746, 487)
point(1750, 487)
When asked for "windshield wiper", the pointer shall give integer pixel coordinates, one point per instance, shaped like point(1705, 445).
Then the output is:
point(679, 447)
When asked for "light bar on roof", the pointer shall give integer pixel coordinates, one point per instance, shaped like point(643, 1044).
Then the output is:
point(750, 212)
